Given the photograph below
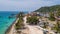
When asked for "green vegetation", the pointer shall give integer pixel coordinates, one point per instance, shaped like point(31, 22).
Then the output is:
point(19, 24)
point(54, 12)
point(58, 12)
point(52, 18)
point(32, 20)
point(45, 25)
point(57, 27)
point(48, 9)
point(51, 10)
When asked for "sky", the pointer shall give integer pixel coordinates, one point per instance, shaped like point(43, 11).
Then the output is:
point(25, 5)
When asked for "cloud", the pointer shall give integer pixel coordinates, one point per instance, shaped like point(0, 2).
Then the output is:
point(25, 5)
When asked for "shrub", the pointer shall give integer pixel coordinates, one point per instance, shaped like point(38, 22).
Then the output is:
point(52, 18)
point(32, 20)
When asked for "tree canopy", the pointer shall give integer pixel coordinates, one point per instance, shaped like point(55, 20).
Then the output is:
point(32, 20)
point(58, 12)
point(52, 18)
point(48, 8)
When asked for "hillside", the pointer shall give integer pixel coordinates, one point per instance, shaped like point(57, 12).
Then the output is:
point(48, 9)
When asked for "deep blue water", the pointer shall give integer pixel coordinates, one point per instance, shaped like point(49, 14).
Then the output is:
point(5, 21)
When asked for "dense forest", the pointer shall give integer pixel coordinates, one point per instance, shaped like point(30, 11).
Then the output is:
point(48, 8)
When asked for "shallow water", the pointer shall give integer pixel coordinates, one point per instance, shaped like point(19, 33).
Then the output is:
point(5, 22)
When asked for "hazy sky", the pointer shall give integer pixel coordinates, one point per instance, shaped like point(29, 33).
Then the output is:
point(25, 5)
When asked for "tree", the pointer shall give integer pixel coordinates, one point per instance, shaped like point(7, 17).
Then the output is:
point(52, 18)
point(45, 24)
point(32, 20)
point(58, 12)
point(57, 27)
point(19, 24)
point(48, 9)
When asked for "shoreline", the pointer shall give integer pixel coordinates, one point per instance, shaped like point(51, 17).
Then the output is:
point(9, 28)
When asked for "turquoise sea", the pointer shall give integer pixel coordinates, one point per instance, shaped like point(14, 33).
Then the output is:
point(5, 21)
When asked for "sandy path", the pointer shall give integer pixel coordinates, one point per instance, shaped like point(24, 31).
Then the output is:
point(35, 29)
point(32, 29)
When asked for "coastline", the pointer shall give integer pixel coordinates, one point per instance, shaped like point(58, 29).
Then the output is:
point(9, 28)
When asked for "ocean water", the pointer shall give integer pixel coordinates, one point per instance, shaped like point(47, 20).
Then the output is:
point(5, 21)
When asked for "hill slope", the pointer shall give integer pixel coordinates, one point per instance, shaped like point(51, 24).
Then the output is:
point(48, 9)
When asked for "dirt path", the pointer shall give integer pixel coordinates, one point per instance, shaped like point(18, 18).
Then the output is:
point(32, 29)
